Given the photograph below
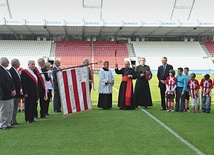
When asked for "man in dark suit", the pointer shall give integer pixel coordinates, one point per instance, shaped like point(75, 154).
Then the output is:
point(56, 102)
point(17, 82)
point(6, 103)
point(163, 73)
point(43, 93)
point(30, 89)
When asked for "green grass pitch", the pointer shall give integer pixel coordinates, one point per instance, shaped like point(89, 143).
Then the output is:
point(112, 132)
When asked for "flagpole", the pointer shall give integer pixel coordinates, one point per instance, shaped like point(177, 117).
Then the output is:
point(115, 54)
point(71, 67)
point(92, 66)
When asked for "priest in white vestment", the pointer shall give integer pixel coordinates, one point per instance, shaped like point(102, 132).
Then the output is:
point(105, 87)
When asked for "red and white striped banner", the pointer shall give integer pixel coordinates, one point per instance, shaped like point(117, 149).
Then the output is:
point(74, 90)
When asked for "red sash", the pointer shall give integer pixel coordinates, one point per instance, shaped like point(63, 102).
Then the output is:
point(128, 94)
point(43, 83)
point(31, 76)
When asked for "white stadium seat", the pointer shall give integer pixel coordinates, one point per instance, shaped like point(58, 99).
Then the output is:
point(24, 50)
point(179, 54)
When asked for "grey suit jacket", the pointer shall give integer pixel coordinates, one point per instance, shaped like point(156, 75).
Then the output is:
point(1, 83)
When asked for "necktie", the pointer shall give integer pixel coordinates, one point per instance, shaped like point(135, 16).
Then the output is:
point(164, 69)
point(8, 72)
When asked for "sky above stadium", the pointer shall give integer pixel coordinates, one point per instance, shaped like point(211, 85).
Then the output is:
point(113, 10)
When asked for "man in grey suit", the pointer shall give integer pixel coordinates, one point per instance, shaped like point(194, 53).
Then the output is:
point(17, 82)
point(1, 84)
point(6, 103)
point(86, 62)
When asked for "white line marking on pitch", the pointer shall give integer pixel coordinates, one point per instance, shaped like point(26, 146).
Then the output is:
point(170, 130)
point(173, 132)
point(115, 89)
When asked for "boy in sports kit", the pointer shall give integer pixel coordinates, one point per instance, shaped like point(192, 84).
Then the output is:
point(180, 90)
point(194, 87)
point(206, 85)
point(186, 77)
point(170, 89)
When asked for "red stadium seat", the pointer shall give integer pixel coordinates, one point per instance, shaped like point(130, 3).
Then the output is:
point(105, 51)
point(73, 52)
point(210, 47)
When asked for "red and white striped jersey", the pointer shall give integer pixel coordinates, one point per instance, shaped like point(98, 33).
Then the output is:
point(193, 86)
point(206, 85)
point(170, 84)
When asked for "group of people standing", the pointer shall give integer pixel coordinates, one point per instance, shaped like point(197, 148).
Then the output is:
point(180, 88)
point(35, 85)
point(127, 99)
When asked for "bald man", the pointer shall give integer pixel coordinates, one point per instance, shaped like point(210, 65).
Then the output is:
point(125, 99)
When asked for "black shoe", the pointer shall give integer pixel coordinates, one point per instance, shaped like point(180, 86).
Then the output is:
point(16, 123)
point(57, 111)
point(163, 109)
point(11, 126)
point(47, 114)
point(23, 110)
point(28, 121)
point(19, 111)
point(43, 116)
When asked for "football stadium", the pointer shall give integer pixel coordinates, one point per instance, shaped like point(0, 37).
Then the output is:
point(106, 77)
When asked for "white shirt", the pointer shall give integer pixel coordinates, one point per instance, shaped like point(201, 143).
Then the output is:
point(17, 72)
point(32, 73)
point(105, 76)
point(48, 84)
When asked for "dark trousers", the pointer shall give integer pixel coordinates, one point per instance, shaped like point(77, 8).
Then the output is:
point(57, 102)
point(42, 103)
point(180, 100)
point(163, 100)
point(48, 101)
point(15, 108)
point(35, 110)
point(30, 106)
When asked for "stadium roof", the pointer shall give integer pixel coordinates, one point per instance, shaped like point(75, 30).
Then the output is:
point(105, 28)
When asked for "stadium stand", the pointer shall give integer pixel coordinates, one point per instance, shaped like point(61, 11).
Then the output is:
point(106, 51)
point(72, 52)
point(180, 54)
point(24, 50)
point(210, 47)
